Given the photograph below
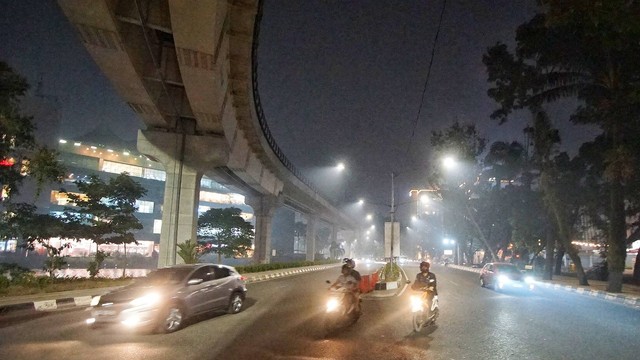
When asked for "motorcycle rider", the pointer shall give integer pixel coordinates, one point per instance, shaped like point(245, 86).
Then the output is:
point(352, 265)
point(347, 281)
point(356, 275)
point(423, 280)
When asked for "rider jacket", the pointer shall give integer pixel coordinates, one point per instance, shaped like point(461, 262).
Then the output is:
point(422, 280)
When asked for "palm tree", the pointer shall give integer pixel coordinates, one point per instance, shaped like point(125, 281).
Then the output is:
point(589, 52)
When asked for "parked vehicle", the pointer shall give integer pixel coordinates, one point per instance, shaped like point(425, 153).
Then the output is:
point(424, 308)
point(501, 276)
point(163, 299)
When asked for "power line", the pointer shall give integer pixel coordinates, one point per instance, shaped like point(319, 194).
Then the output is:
point(426, 81)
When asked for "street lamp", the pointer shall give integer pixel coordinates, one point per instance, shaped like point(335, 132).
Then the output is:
point(449, 162)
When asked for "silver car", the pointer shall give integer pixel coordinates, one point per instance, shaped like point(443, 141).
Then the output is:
point(166, 297)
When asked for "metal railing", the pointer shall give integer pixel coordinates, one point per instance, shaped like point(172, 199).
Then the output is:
point(260, 113)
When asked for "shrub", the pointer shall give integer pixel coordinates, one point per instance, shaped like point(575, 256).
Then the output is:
point(390, 272)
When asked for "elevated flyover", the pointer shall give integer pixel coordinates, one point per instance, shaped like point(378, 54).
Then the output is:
point(188, 69)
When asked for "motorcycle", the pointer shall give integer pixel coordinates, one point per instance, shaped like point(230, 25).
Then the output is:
point(424, 308)
point(338, 310)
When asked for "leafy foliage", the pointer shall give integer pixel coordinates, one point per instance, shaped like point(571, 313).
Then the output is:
point(104, 213)
point(22, 222)
point(225, 233)
point(19, 153)
point(587, 50)
point(190, 251)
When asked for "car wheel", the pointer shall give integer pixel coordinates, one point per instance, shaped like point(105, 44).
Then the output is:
point(172, 319)
point(235, 303)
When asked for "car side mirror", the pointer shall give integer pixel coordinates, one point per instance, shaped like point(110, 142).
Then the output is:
point(195, 281)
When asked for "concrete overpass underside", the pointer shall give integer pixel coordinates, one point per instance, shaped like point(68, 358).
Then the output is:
point(187, 69)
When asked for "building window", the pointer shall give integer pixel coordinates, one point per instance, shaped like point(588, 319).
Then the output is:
point(61, 198)
point(119, 168)
point(157, 226)
point(230, 199)
point(154, 174)
point(145, 207)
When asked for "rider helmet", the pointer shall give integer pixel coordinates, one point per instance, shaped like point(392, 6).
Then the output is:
point(349, 262)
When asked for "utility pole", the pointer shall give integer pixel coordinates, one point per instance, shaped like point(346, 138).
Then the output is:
point(392, 212)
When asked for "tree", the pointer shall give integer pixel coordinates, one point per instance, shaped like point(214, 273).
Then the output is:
point(465, 144)
point(21, 221)
point(225, 232)
point(588, 51)
point(20, 156)
point(104, 213)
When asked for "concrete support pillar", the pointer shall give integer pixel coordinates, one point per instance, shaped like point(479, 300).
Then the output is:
point(264, 207)
point(312, 221)
point(334, 235)
point(179, 211)
point(183, 156)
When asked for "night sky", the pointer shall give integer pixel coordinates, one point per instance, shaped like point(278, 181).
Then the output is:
point(339, 81)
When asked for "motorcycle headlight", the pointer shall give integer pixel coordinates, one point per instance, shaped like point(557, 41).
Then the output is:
point(332, 305)
point(416, 303)
point(147, 300)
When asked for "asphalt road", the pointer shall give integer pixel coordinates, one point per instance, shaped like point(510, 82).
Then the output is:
point(282, 320)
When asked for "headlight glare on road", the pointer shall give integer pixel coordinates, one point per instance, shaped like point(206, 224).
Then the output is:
point(90, 321)
point(147, 300)
point(529, 279)
point(95, 300)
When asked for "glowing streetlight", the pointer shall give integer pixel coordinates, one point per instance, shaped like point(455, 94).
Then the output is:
point(361, 202)
point(449, 162)
point(369, 217)
point(340, 167)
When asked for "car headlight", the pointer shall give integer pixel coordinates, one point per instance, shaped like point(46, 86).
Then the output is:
point(503, 278)
point(529, 279)
point(147, 300)
point(95, 300)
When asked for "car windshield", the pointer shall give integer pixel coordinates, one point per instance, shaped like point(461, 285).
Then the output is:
point(165, 276)
point(508, 269)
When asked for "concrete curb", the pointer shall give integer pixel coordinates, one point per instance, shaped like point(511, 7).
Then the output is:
point(629, 300)
point(249, 278)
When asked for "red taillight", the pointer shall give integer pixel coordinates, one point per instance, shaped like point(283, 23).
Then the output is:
point(243, 278)
point(7, 162)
